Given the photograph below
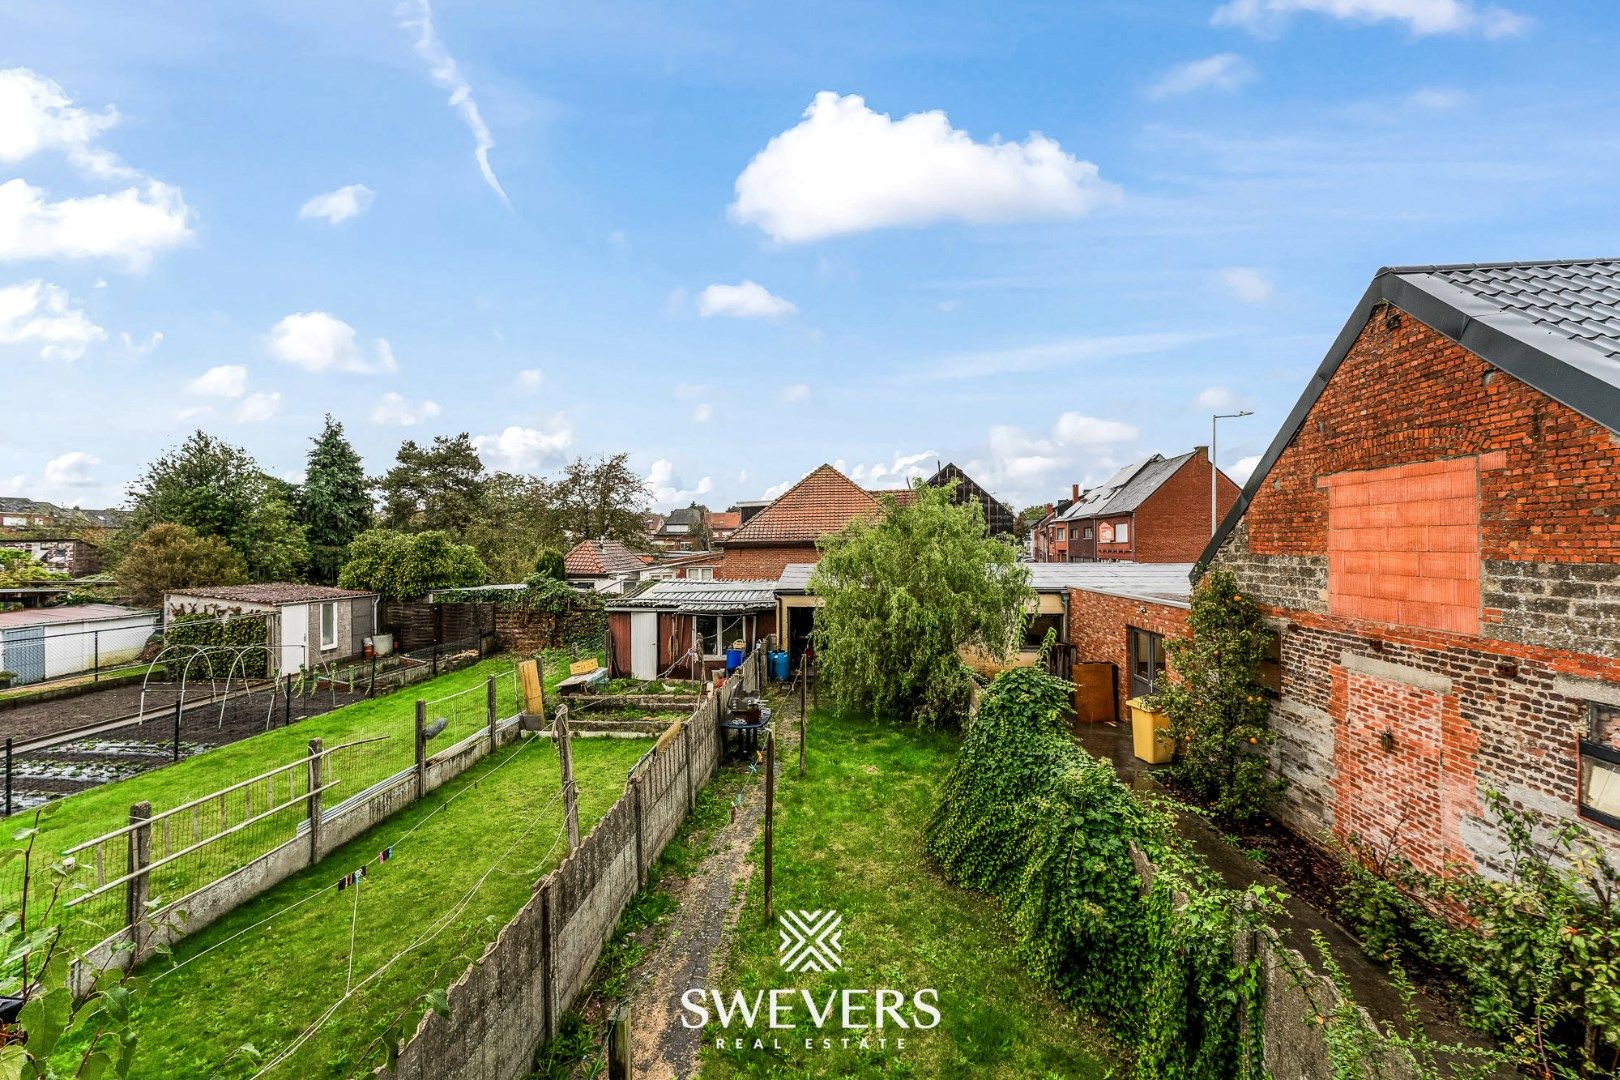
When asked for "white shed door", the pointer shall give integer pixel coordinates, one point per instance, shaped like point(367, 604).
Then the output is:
point(644, 644)
point(294, 638)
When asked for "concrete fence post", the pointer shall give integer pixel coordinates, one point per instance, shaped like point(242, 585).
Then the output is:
point(548, 974)
point(315, 773)
point(421, 748)
point(140, 856)
point(686, 752)
point(570, 794)
point(489, 691)
point(641, 862)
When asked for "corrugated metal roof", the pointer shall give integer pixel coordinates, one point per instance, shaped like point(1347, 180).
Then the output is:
point(1148, 581)
point(795, 577)
point(679, 594)
point(11, 620)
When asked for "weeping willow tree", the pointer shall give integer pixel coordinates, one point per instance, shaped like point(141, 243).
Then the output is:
point(901, 593)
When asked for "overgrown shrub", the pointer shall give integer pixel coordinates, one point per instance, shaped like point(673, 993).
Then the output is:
point(1537, 955)
point(211, 647)
point(1219, 711)
point(1031, 817)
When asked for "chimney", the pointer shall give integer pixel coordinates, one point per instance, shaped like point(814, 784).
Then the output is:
point(1074, 492)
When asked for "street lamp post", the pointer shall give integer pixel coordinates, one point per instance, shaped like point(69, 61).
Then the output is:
point(1214, 470)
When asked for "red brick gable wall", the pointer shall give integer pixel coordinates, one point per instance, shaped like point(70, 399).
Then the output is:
point(1097, 628)
point(1410, 394)
point(1172, 524)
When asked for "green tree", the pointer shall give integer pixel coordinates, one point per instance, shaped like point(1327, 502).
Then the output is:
point(902, 594)
point(1219, 711)
point(1026, 519)
point(551, 564)
point(17, 567)
point(437, 487)
point(171, 557)
point(518, 516)
point(405, 566)
point(216, 489)
point(333, 505)
point(603, 498)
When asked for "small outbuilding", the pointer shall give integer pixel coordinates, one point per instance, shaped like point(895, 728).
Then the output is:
point(37, 644)
point(682, 628)
point(309, 625)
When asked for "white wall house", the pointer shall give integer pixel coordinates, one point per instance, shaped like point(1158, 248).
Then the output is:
point(37, 644)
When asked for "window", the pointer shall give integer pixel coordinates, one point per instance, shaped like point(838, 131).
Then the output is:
point(1600, 764)
point(717, 633)
point(1035, 629)
point(328, 626)
point(1145, 658)
point(1122, 533)
point(1061, 534)
point(700, 573)
point(1086, 535)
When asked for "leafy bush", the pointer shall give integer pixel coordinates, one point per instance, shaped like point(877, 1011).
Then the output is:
point(216, 648)
point(550, 563)
point(901, 593)
point(167, 558)
point(1031, 817)
point(1219, 712)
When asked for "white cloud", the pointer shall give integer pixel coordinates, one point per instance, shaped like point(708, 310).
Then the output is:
point(319, 342)
point(524, 449)
point(396, 409)
point(1073, 429)
point(847, 169)
point(1243, 468)
point(1437, 98)
point(749, 300)
point(37, 114)
point(703, 413)
point(1223, 71)
point(416, 16)
point(226, 381)
point(796, 392)
point(1247, 284)
point(667, 489)
point(258, 407)
point(1422, 17)
point(897, 472)
point(1215, 397)
point(1024, 467)
point(141, 349)
point(71, 470)
point(340, 205)
point(530, 380)
point(191, 412)
point(38, 315)
point(127, 227)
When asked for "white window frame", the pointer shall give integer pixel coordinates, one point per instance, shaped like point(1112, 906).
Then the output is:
point(329, 642)
point(1122, 532)
point(700, 573)
point(720, 635)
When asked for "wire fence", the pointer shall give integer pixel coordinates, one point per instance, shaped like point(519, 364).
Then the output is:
point(55, 651)
point(180, 719)
point(154, 864)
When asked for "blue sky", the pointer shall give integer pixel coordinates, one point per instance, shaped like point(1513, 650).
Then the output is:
point(731, 239)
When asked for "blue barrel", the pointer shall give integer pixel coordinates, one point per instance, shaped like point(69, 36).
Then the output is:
point(734, 659)
point(779, 665)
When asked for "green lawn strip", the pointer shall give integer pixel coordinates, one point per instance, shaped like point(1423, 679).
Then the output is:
point(264, 987)
point(582, 1029)
point(849, 837)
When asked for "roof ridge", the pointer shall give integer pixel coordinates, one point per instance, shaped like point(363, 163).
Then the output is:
point(1432, 268)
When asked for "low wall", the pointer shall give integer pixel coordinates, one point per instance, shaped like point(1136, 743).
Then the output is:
point(510, 1000)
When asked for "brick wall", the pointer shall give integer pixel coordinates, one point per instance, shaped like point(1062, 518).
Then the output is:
point(763, 562)
point(1097, 629)
point(1172, 524)
point(1496, 700)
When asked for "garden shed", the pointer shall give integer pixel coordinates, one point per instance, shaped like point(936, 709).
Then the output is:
point(683, 627)
point(309, 625)
point(37, 644)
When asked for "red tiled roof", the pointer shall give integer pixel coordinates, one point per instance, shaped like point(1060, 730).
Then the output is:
point(902, 496)
point(601, 558)
point(725, 519)
point(823, 502)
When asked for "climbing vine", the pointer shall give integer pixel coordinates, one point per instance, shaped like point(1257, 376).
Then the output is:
point(244, 637)
point(1110, 908)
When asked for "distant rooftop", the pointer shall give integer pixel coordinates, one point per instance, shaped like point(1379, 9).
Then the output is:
point(1158, 582)
point(272, 592)
point(11, 620)
point(681, 594)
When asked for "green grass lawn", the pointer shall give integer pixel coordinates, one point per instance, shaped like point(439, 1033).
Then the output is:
point(265, 987)
point(849, 836)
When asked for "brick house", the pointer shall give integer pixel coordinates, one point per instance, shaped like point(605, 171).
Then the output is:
point(1155, 510)
point(786, 531)
point(1049, 541)
point(604, 565)
point(1435, 530)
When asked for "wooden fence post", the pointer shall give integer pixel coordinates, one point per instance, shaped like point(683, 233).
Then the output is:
point(620, 1065)
point(421, 748)
point(770, 816)
point(565, 754)
point(490, 694)
point(140, 855)
point(315, 772)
